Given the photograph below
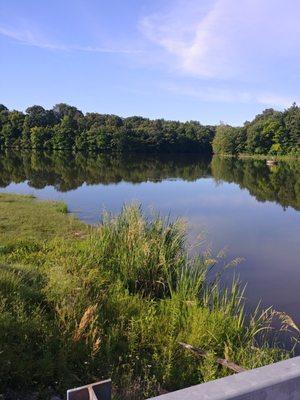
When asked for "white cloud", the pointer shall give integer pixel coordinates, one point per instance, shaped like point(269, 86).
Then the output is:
point(227, 51)
point(27, 37)
point(225, 38)
point(225, 95)
point(30, 38)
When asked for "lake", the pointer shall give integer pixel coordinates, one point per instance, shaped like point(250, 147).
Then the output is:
point(246, 206)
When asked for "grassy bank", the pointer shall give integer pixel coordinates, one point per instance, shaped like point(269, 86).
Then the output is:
point(242, 156)
point(82, 303)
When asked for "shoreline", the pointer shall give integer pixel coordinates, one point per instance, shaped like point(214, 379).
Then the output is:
point(121, 290)
point(259, 157)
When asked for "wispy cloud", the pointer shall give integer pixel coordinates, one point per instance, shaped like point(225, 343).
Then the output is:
point(30, 38)
point(224, 51)
point(27, 37)
point(225, 38)
point(227, 95)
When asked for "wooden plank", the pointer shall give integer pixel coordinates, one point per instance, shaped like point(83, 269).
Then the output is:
point(202, 353)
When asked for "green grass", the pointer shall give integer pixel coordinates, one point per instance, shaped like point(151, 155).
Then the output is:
point(81, 303)
point(23, 217)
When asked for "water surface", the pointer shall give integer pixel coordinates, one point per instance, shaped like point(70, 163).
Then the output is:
point(246, 206)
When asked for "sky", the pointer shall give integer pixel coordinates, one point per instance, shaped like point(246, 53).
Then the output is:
point(206, 60)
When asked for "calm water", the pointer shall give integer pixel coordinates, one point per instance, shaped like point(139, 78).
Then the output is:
point(246, 206)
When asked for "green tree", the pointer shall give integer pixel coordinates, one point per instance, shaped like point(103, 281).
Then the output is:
point(64, 134)
point(292, 122)
point(38, 116)
point(40, 138)
point(229, 140)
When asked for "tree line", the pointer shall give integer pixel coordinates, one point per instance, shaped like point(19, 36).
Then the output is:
point(271, 132)
point(65, 127)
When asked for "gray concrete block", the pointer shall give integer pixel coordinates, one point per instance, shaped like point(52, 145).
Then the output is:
point(279, 381)
point(95, 391)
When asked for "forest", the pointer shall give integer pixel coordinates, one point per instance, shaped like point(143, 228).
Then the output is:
point(65, 127)
point(271, 132)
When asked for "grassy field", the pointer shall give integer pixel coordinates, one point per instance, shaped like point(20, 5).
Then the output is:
point(81, 303)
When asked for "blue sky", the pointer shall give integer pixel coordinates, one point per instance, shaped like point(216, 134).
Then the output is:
point(207, 60)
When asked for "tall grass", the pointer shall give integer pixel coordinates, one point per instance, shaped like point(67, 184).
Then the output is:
point(114, 301)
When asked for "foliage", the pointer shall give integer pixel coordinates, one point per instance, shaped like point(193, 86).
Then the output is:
point(272, 132)
point(66, 127)
point(229, 140)
point(83, 303)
